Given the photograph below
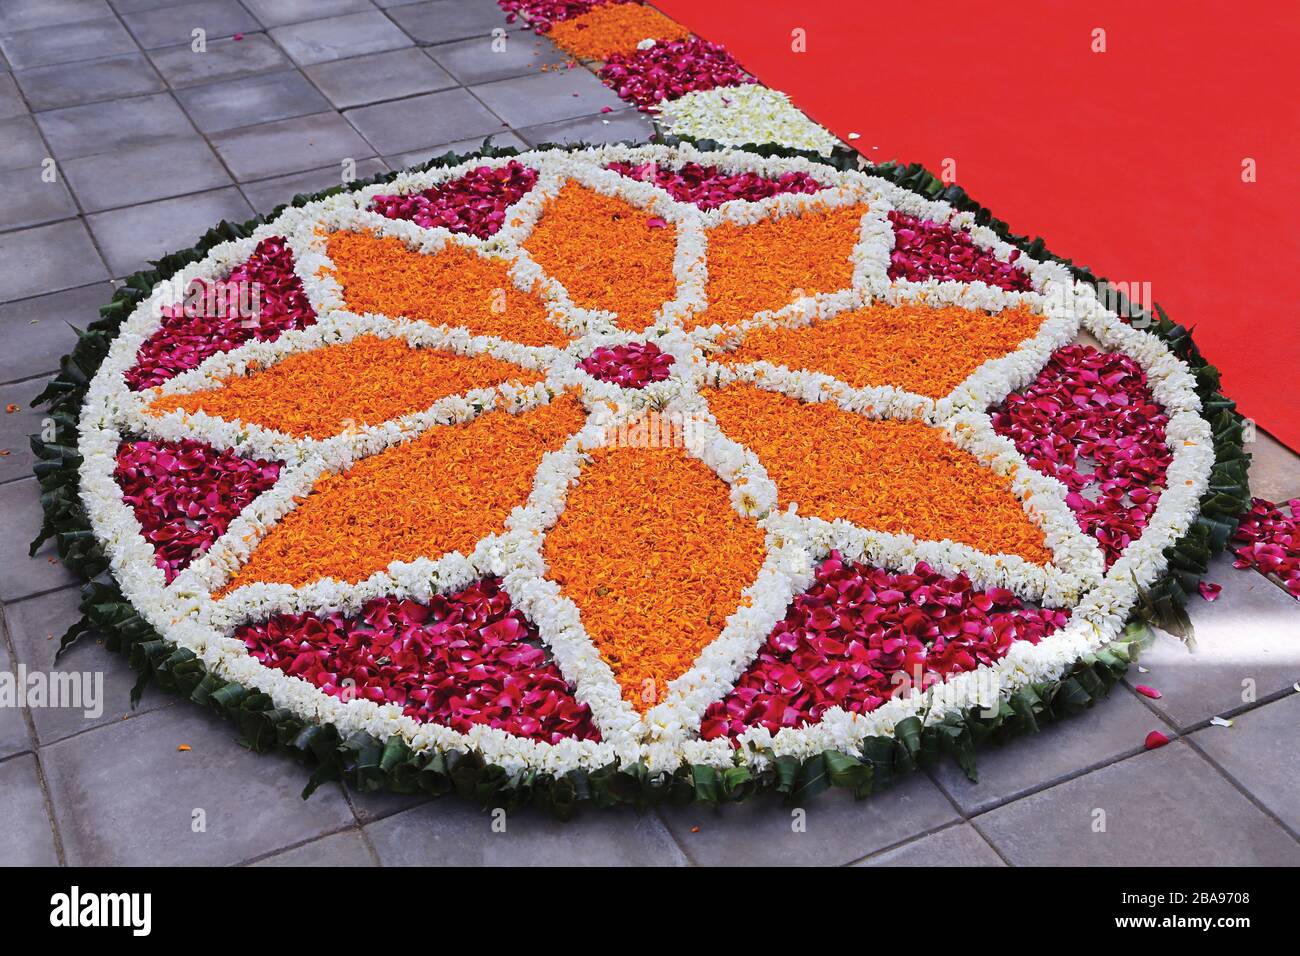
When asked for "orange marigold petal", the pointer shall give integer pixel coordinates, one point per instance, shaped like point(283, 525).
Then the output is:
point(452, 287)
point(441, 492)
point(614, 28)
point(650, 550)
point(769, 264)
point(607, 253)
point(363, 382)
point(897, 477)
point(924, 350)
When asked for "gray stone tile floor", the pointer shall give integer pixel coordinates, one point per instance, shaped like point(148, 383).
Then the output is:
point(152, 142)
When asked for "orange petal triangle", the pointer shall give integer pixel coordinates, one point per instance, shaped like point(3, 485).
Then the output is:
point(452, 287)
point(441, 492)
point(607, 254)
point(771, 263)
point(363, 382)
point(897, 477)
point(649, 549)
point(921, 349)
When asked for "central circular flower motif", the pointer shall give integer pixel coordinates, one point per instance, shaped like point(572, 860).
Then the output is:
point(634, 456)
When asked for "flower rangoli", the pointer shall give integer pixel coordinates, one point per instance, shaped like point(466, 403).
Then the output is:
point(635, 460)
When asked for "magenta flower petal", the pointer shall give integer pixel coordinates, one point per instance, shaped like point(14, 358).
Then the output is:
point(668, 71)
point(475, 204)
point(1270, 540)
point(186, 493)
point(1090, 421)
point(461, 660)
point(930, 250)
point(634, 365)
point(861, 635)
point(1155, 739)
point(542, 14)
point(260, 299)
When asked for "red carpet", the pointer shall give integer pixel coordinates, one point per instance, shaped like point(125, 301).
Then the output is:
point(1144, 143)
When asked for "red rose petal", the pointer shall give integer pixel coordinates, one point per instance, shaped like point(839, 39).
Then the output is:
point(185, 494)
point(634, 365)
point(475, 204)
point(461, 660)
point(260, 299)
point(847, 640)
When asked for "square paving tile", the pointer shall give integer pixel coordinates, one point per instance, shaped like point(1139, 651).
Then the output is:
point(251, 100)
point(1116, 726)
point(124, 795)
point(506, 139)
point(104, 127)
point(274, 13)
point(21, 146)
point(129, 176)
point(547, 97)
point(289, 146)
point(836, 828)
point(15, 426)
point(20, 521)
point(11, 101)
point(616, 127)
point(475, 61)
point(455, 832)
point(134, 236)
point(1247, 649)
point(26, 200)
point(338, 849)
point(35, 626)
point(338, 37)
point(443, 20)
point(1168, 807)
point(36, 333)
point(379, 76)
point(72, 84)
point(47, 259)
point(14, 738)
point(1262, 753)
point(1274, 469)
point(135, 6)
point(167, 26)
point(956, 846)
point(66, 43)
point(223, 60)
point(26, 838)
point(29, 14)
point(265, 194)
point(404, 125)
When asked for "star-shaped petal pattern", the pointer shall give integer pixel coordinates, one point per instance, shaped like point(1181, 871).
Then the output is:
point(436, 424)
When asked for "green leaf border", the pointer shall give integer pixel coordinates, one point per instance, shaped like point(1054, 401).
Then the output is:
point(372, 764)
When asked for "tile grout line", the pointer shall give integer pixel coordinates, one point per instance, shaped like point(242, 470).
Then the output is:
point(975, 818)
point(361, 825)
point(1242, 789)
point(690, 860)
point(34, 742)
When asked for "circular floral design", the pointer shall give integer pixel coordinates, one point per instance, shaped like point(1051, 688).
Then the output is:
point(635, 457)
